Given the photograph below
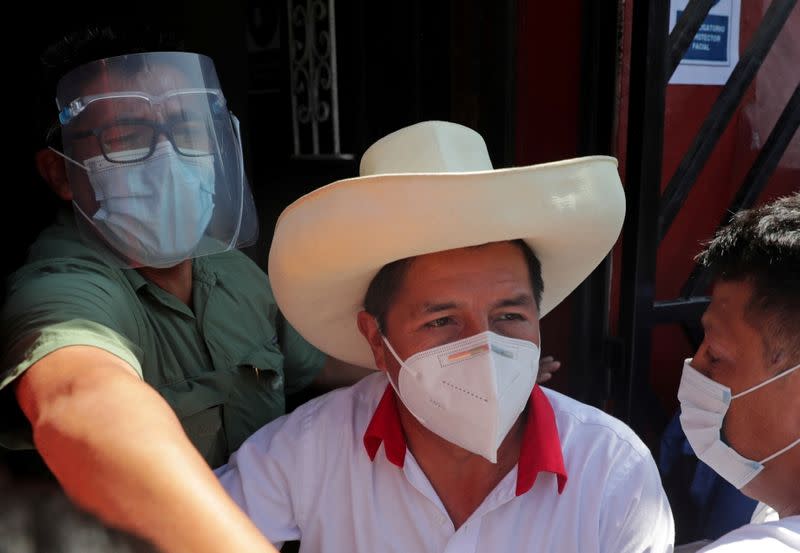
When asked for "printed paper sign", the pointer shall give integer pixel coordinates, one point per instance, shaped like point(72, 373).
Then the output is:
point(714, 51)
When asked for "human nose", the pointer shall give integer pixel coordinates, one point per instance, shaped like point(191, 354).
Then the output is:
point(698, 361)
point(474, 325)
point(163, 134)
point(161, 128)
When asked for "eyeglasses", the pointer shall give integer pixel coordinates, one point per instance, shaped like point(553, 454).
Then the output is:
point(132, 140)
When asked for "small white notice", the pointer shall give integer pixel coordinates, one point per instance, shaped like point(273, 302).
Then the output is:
point(714, 51)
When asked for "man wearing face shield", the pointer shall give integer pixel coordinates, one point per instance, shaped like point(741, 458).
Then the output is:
point(141, 346)
point(740, 394)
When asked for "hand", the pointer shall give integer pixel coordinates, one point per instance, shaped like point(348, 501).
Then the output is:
point(547, 366)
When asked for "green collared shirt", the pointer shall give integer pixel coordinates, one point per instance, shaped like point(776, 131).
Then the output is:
point(225, 366)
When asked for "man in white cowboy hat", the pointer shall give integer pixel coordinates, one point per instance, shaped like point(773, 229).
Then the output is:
point(435, 269)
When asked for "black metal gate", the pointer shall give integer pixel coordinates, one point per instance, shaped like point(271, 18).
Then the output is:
point(655, 55)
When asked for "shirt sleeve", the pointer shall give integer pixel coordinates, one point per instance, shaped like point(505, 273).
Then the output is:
point(776, 537)
point(262, 476)
point(32, 347)
point(302, 361)
point(636, 515)
point(46, 313)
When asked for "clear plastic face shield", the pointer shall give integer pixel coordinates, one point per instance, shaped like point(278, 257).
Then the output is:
point(154, 158)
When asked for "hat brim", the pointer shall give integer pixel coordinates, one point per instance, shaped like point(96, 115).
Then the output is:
point(330, 244)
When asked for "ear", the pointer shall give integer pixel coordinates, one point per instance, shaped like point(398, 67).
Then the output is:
point(781, 358)
point(51, 168)
point(368, 327)
point(775, 357)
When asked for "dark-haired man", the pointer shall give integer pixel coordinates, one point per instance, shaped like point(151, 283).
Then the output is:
point(740, 394)
point(140, 344)
point(435, 269)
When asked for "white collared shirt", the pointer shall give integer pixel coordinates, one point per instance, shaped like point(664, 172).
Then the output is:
point(308, 476)
point(780, 536)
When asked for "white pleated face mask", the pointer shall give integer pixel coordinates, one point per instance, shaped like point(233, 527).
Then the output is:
point(704, 404)
point(471, 391)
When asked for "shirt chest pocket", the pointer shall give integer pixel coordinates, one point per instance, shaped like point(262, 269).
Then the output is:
point(220, 408)
point(256, 396)
point(266, 366)
point(199, 404)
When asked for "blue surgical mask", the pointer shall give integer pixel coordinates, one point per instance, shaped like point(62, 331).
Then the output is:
point(154, 211)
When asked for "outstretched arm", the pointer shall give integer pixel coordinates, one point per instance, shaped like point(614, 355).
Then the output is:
point(119, 451)
point(336, 373)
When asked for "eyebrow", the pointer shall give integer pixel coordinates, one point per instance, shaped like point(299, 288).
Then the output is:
point(721, 337)
point(429, 307)
point(520, 300)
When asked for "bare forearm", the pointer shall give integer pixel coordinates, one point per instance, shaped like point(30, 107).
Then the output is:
point(336, 373)
point(119, 451)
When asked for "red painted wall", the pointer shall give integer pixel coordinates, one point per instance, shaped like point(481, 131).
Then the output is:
point(548, 79)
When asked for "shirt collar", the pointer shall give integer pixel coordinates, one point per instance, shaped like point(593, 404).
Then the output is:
point(540, 450)
point(202, 274)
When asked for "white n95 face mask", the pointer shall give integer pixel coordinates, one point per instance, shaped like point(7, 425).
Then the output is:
point(704, 403)
point(471, 391)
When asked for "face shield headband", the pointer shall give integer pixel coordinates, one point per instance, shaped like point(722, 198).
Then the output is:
point(159, 130)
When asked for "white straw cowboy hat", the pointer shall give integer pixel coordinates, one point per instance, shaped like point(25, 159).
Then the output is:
point(426, 188)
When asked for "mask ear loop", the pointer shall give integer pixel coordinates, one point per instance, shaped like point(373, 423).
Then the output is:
point(65, 156)
point(396, 387)
point(781, 452)
point(756, 387)
point(82, 166)
point(768, 381)
point(397, 357)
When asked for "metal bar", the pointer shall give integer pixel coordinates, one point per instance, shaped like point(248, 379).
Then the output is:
point(643, 175)
point(313, 76)
point(598, 95)
point(587, 363)
point(770, 155)
point(692, 163)
point(508, 51)
point(679, 310)
point(589, 369)
point(756, 179)
point(337, 148)
point(292, 62)
point(685, 28)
